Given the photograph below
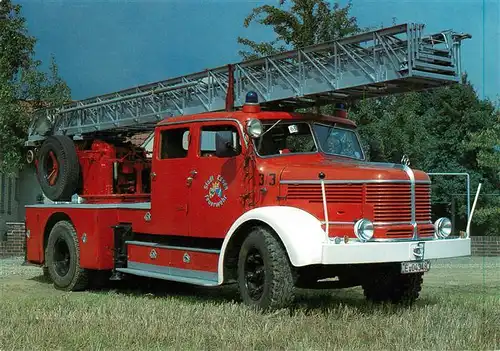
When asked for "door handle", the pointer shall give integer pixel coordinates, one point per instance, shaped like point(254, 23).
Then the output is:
point(189, 181)
point(193, 173)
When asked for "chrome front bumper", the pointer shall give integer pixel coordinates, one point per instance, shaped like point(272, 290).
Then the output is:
point(394, 251)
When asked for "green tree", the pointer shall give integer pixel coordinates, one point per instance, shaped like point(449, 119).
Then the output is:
point(23, 85)
point(486, 144)
point(304, 22)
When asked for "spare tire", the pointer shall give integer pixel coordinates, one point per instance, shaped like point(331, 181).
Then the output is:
point(58, 169)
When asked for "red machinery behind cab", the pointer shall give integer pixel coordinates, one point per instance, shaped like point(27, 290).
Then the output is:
point(108, 169)
point(117, 171)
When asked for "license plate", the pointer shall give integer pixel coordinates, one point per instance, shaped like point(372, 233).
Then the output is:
point(415, 266)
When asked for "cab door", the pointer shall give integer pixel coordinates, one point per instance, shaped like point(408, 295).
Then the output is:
point(217, 189)
point(172, 166)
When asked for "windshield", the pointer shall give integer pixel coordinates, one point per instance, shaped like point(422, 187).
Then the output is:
point(285, 138)
point(338, 141)
point(297, 137)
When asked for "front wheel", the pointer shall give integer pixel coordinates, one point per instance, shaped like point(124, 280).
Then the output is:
point(389, 285)
point(264, 273)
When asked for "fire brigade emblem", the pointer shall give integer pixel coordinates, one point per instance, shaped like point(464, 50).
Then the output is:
point(216, 188)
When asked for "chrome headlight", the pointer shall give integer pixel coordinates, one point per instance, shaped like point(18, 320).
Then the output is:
point(363, 229)
point(254, 128)
point(442, 228)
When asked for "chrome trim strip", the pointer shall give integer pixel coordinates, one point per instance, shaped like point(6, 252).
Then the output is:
point(400, 223)
point(170, 273)
point(377, 223)
point(403, 239)
point(285, 155)
point(325, 207)
point(337, 223)
point(181, 272)
point(332, 240)
point(132, 206)
point(411, 175)
point(160, 246)
point(355, 181)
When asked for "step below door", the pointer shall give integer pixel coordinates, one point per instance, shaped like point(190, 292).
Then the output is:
point(182, 264)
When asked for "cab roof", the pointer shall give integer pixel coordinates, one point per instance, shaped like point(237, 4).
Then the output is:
point(242, 117)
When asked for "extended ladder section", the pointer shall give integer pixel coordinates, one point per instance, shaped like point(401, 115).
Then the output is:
point(381, 62)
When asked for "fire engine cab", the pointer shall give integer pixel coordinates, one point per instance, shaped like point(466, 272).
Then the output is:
point(269, 200)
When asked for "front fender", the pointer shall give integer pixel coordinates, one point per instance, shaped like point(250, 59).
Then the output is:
point(299, 231)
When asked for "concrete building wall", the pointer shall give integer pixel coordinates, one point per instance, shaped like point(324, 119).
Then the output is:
point(9, 204)
point(15, 193)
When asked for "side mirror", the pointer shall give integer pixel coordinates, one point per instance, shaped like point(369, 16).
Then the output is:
point(224, 144)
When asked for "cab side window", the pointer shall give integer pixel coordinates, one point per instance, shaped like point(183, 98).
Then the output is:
point(207, 140)
point(174, 143)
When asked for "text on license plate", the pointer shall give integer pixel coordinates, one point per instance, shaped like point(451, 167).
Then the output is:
point(415, 266)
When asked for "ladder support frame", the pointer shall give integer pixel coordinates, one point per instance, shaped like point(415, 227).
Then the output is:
point(386, 61)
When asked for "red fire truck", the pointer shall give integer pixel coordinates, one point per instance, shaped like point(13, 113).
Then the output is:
point(270, 200)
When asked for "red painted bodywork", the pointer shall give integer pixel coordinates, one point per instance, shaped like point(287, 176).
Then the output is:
point(199, 261)
point(180, 207)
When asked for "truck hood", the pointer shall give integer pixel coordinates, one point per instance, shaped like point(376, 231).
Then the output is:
point(347, 170)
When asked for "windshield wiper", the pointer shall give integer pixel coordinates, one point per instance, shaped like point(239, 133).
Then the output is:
point(274, 125)
point(262, 135)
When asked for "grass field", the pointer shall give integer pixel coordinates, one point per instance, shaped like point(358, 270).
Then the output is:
point(459, 309)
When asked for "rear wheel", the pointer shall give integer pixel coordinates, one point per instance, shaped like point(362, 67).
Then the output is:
point(264, 273)
point(389, 285)
point(58, 169)
point(63, 258)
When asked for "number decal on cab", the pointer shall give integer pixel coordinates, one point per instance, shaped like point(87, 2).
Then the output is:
point(271, 179)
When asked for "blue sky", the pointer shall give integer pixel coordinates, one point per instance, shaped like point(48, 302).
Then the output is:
point(104, 46)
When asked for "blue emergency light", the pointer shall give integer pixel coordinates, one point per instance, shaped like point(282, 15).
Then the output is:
point(252, 98)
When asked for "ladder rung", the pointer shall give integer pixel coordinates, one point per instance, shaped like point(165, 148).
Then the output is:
point(436, 76)
point(425, 66)
point(431, 57)
point(434, 51)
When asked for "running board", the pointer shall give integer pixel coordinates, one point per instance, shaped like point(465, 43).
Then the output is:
point(173, 274)
point(198, 266)
point(171, 247)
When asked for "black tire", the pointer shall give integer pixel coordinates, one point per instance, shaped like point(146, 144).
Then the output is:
point(59, 183)
point(389, 285)
point(45, 271)
point(63, 258)
point(271, 285)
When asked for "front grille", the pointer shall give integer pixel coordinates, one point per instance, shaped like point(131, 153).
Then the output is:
point(423, 202)
point(391, 202)
point(335, 193)
point(400, 233)
point(426, 232)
